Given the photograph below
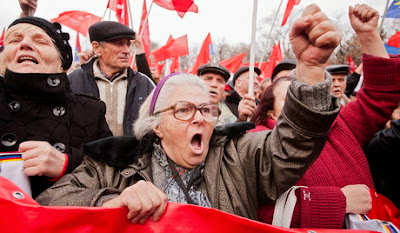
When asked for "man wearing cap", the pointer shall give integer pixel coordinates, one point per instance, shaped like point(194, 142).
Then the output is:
point(109, 77)
point(339, 74)
point(240, 99)
point(216, 76)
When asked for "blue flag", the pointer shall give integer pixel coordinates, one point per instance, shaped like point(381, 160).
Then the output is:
point(394, 10)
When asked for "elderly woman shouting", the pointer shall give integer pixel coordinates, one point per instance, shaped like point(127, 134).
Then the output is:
point(178, 156)
point(39, 116)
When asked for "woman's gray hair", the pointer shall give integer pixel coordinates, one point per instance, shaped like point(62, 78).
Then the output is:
point(145, 122)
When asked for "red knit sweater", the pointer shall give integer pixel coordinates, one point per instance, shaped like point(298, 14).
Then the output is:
point(342, 161)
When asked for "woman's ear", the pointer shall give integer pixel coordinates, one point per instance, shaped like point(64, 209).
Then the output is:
point(157, 131)
point(271, 114)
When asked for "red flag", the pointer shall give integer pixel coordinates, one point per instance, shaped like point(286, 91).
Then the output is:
point(144, 29)
point(233, 63)
point(174, 65)
point(204, 54)
point(121, 10)
point(174, 48)
point(394, 41)
point(20, 213)
point(180, 6)
point(289, 7)
point(77, 20)
point(274, 59)
point(351, 64)
point(2, 37)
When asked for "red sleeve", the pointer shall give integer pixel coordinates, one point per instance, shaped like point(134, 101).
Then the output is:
point(319, 207)
point(376, 100)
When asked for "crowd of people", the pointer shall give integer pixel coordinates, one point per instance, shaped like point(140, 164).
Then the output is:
point(104, 134)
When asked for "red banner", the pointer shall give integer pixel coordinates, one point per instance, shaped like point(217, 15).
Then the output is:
point(20, 213)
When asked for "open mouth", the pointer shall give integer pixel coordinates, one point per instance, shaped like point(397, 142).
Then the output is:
point(197, 144)
point(213, 93)
point(27, 59)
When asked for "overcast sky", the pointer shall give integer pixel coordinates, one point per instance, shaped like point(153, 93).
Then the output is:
point(224, 19)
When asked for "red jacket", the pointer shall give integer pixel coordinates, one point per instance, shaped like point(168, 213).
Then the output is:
point(342, 161)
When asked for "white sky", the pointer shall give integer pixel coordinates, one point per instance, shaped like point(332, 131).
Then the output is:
point(224, 19)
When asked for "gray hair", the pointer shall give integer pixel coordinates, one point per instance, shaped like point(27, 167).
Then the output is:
point(145, 122)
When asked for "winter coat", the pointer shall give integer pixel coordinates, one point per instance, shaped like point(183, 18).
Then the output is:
point(82, 81)
point(41, 107)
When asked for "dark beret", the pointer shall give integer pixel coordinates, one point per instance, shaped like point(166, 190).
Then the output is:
point(338, 69)
point(215, 69)
point(242, 70)
point(109, 30)
point(283, 65)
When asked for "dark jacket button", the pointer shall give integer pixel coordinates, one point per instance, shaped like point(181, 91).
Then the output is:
point(14, 106)
point(9, 139)
point(60, 146)
point(53, 81)
point(58, 111)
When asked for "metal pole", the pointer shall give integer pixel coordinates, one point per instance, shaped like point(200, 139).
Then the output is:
point(252, 48)
point(384, 15)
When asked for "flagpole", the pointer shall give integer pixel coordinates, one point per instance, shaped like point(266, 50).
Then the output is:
point(270, 32)
point(130, 14)
point(105, 11)
point(384, 15)
point(147, 17)
point(252, 48)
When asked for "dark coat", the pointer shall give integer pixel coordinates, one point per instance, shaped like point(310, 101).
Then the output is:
point(82, 81)
point(41, 107)
point(232, 101)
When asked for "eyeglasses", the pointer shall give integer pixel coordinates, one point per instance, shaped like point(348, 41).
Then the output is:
point(185, 111)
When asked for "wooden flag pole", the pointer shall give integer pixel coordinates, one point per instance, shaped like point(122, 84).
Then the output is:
point(252, 48)
point(384, 15)
point(270, 32)
point(147, 17)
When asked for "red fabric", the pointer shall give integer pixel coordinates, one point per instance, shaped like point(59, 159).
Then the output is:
point(121, 10)
point(174, 48)
point(384, 209)
point(180, 6)
point(79, 21)
point(204, 54)
point(144, 30)
point(25, 215)
point(289, 7)
point(342, 161)
point(174, 65)
point(274, 59)
point(2, 37)
point(394, 40)
point(233, 63)
point(269, 124)
point(351, 64)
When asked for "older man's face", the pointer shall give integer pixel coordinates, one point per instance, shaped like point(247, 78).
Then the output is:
point(216, 84)
point(113, 54)
point(338, 85)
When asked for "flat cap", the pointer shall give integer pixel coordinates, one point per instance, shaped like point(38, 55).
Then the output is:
point(338, 69)
point(242, 70)
point(215, 69)
point(109, 30)
point(283, 65)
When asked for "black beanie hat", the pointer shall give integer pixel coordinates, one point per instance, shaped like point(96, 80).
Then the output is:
point(60, 39)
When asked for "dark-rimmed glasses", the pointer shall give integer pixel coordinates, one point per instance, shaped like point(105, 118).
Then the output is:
point(185, 111)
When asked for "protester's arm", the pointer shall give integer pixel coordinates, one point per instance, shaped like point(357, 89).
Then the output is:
point(380, 93)
point(246, 107)
point(28, 7)
point(140, 57)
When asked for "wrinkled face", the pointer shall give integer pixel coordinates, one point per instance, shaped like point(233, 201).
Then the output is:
point(28, 49)
point(338, 85)
point(216, 84)
point(113, 54)
point(242, 83)
point(280, 92)
point(185, 142)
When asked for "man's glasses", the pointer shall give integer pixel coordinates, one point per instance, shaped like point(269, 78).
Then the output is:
point(185, 111)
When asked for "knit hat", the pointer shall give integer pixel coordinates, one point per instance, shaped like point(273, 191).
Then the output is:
point(60, 39)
